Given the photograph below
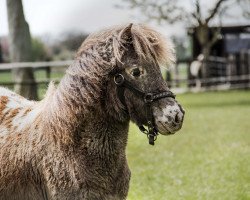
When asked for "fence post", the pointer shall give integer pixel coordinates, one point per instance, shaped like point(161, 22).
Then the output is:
point(248, 64)
point(176, 75)
point(231, 67)
point(242, 63)
point(48, 72)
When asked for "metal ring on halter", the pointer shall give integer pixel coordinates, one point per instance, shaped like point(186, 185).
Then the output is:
point(151, 135)
point(119, 79)
point(148, 98)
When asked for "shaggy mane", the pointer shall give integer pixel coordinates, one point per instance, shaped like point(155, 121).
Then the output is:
point(86, 78)
point(147, 43)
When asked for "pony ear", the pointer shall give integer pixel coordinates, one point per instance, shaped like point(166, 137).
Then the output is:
point(125, 33)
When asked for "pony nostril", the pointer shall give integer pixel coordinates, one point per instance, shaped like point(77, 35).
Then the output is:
point(176, 119)
point(182, 110)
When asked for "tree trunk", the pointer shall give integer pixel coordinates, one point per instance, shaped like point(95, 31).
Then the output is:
point(20, 49)
point(202, 35)
point(205, 68)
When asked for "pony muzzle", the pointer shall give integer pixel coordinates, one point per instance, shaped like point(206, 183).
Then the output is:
point(168, 119)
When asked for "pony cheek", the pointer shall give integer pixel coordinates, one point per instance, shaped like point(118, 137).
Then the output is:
point(135, 108)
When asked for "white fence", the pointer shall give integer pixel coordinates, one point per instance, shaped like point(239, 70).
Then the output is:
point(179, 84)
point(9, 66)
point(46, 66)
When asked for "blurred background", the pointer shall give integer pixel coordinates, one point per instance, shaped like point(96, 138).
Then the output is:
point(210, 157)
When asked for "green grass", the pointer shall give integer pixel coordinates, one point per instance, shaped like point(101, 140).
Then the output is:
point(208, 159)
point(41, 74)
point(5, 76)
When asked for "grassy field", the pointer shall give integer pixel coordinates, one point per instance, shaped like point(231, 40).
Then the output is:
point(208, 159)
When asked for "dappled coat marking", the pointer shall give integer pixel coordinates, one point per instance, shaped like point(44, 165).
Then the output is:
point(14, 113)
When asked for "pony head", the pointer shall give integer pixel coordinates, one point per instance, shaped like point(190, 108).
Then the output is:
point(135, 52)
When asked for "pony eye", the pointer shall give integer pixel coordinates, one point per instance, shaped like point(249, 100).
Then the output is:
point(136, 72)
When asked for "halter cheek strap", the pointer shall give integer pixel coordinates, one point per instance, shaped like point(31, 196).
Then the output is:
point(148, 98)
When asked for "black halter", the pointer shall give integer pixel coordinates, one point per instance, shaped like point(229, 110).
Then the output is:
point(148, 98)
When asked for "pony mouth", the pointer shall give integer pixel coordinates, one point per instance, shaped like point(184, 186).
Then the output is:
point(164, 130)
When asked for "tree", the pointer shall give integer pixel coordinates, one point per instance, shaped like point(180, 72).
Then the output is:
point(20, 49)
point(39, 50)
point(182, 47)
point(172, 11)
point(245, 5)
point(73, 41)
point(65, 48)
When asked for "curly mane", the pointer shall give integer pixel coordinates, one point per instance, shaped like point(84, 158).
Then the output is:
point(111, 44)
point(98, 56)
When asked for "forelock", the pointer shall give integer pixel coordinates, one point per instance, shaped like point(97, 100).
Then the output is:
point(110, 45)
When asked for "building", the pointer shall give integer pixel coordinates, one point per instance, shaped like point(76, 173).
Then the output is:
point(230, 55)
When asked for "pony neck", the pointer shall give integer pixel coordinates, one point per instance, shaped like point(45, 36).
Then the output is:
point(76, 113)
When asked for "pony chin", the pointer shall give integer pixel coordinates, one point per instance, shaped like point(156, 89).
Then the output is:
point(164, 130)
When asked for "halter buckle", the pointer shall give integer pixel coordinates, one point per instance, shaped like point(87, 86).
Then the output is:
point(119, 79)
point(151, 139)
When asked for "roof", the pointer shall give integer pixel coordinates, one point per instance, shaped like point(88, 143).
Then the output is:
point(226, 29)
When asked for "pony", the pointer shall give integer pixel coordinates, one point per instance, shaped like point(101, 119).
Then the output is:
point(72, 144)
